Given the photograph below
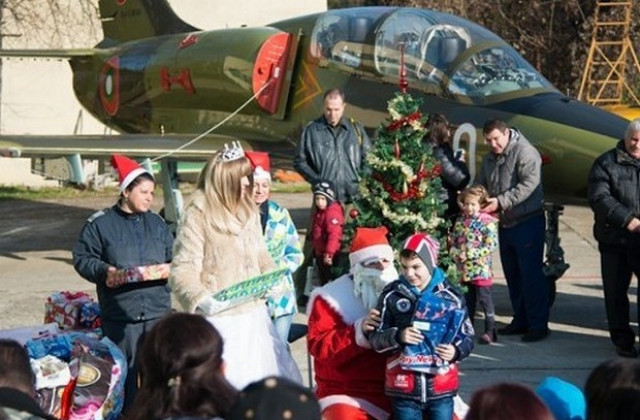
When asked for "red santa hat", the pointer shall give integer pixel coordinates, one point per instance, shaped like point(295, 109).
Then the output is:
point(425, 247)
point(369, 245)
point(128, 170)
point(260, 163)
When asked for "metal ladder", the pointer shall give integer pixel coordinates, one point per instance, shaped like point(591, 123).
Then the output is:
point(603, 81)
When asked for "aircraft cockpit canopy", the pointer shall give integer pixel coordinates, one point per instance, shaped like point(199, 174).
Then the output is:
point(442, 52)
point(339, 35)
point(451, 53)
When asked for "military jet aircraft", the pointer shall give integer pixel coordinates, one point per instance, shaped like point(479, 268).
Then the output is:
point(162, 82)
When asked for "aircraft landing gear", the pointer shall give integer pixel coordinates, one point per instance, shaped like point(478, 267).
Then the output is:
point(554, 263)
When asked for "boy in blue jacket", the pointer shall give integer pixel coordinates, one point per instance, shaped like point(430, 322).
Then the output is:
point(426, 326)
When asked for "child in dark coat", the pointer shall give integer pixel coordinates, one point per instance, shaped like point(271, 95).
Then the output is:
point(326, 231)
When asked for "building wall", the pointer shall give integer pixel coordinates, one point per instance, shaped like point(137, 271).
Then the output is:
point(37, 95)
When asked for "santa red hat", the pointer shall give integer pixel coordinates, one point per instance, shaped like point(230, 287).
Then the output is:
point(369, 245)
point(260, 163)
point(425, 247)
point(128, 170)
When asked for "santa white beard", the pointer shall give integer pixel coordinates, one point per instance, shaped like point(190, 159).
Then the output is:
point(369, 282)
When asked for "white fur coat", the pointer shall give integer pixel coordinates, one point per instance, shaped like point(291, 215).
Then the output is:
point(207, 263)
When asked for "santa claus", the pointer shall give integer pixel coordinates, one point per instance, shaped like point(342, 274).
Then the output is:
point(349, 374)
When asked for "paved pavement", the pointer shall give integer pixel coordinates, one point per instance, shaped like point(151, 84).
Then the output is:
point(36, 238)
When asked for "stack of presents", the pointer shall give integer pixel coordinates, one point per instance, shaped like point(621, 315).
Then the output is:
point(79, 373)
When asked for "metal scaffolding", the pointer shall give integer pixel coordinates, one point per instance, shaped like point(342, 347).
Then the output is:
point(603, 80)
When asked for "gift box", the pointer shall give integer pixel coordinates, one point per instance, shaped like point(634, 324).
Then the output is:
point(72, 310)
point(251, 289)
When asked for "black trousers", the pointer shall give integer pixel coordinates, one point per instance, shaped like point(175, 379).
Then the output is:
point(128, 337)
point(482, 295)
point(617, 265)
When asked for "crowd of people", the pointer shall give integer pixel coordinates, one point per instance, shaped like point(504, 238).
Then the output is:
point(385, 344)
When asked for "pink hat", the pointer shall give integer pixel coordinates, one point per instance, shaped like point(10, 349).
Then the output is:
point(260, 163)
point(425, 247)
point(128, 170)
point(369, 244)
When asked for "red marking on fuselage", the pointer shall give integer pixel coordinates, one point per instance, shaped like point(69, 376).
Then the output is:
point(188, 41)
point(183, 79)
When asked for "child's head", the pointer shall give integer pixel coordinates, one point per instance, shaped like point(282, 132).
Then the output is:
point(472, 199)
point(418, 259)
point(323, 194)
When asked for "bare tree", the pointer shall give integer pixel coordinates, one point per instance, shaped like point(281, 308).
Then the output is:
point(49, 23)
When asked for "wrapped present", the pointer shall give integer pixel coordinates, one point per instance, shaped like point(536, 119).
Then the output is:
point(90, 316)
point(251, 289)
point(66, 310)
point(58, 345)
point(140, 273)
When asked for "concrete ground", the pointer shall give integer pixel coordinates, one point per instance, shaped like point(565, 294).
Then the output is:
point(36, 238)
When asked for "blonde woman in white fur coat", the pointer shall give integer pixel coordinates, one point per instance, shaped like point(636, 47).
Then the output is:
point(219, 243)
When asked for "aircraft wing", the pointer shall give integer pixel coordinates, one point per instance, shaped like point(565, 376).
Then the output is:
point(62, 54)
point(133, 145)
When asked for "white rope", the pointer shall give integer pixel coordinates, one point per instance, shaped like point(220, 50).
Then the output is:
point(209, 131)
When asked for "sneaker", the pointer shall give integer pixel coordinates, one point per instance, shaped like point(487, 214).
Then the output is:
point(535, 335)
point(512, 330)
point(630, 353)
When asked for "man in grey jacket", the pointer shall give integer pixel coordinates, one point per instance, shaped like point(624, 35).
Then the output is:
point(614, 196)
point(511, 172)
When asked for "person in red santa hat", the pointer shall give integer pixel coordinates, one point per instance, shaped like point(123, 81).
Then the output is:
point(126, 250)
point(349, 374)
point(282, 241)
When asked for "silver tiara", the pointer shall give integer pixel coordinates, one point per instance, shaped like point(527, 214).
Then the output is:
point(232, 153)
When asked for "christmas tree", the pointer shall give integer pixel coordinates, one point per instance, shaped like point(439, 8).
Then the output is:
point(400, 186)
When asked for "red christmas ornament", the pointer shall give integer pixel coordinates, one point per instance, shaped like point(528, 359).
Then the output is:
point(354, 213)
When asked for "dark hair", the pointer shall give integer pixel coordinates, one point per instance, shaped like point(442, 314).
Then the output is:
point(606, 383)
point(494, 124)
point(145, 176)
point(507, 401)
point(333, 93)
point(408, 254)
point(438, 130)
point(15, 369)
point(181, 371)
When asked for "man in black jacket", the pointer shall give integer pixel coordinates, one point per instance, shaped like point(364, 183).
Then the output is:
point(614, 196)
point(332, 148)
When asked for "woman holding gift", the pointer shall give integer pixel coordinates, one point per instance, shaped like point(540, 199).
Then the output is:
point(219, 244)
point(126, 250)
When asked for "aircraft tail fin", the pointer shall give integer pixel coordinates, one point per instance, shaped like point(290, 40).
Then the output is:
point(128, 20)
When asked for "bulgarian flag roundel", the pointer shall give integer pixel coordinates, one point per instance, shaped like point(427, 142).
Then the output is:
point(109, 86)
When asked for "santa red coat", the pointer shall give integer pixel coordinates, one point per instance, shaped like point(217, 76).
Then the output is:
point(347, 370)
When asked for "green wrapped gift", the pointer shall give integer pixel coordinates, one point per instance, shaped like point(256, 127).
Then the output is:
point(251, 289)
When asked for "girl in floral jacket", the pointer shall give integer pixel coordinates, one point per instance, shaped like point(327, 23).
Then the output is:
point(474, 238)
